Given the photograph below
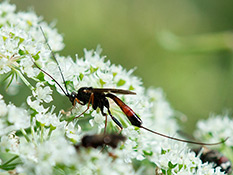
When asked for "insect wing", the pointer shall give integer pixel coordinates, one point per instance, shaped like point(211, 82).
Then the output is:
point(112, 90)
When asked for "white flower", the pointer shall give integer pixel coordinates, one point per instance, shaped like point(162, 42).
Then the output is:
point(42, 119)
point(42, 94)
point(19, 117)
point(215, 129)
point(6, 8)
point(36, 105)
point(26, 67)
point(10, 143)
point(56, 151)
point(4, 67)
point(3, 107)
point(73, 133)
point(45, 142)
point(12, 118)
point(92, 161)
point(98, 118)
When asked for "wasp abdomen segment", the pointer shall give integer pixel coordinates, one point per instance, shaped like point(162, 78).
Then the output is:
point(131, 115)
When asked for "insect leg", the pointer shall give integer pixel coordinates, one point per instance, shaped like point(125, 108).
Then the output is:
point(131, 115)
point(115, 120)
point(90, 102)
point(106, 117)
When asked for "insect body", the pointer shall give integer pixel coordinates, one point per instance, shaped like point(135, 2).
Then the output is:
point(215, 157)
point(98, 98)
point(101, 140)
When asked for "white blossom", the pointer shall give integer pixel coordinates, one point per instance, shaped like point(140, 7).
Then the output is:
point(215, 129)
point(42, 94)
point(44, 142)
point(12, 118)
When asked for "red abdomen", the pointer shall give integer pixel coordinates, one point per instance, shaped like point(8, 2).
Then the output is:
point(131, 115)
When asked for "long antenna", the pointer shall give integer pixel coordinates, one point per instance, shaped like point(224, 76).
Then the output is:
point(182, 140)
point(67, 94)
point(53, 55)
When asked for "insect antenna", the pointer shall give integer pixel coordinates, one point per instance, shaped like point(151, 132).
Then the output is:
point(50, 77)
point(53, 55)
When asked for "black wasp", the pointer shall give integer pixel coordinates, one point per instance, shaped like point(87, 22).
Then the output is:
point(98, 98)
point(101, 140)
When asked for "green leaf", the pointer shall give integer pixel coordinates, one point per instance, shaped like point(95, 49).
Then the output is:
point(4, 14)
point(81, 76)
point(170, 165)
point(114, 74)
point(131, 88)
point(21, 52)
point(180, 166)
point(121, 82)
point(169, 172)
point(92, 69)
point(10, 161)
point(102, 82)
point(29, 23)
point(9, 83)
point(36, 56)
point(163, 151)
point(12, 34)
point(148, 153)
point(40, 76)
point(163, 171)
point(4, 38)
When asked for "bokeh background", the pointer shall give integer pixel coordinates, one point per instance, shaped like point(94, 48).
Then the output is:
point(184, 47)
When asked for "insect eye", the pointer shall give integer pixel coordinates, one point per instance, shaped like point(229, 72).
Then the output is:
point(73, 94)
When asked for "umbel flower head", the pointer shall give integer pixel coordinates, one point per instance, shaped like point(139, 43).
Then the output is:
point(42, 142)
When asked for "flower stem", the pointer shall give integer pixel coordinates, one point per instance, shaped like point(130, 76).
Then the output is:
point(9, 161)
point(24, 79)
point(42, 134)
point(25, 134)
point(33, 134)
point(50, 131)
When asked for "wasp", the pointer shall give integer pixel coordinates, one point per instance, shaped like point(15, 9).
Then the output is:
point(101, 140)
point(98, 98)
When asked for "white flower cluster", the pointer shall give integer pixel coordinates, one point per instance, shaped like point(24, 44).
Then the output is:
point(215, 128)
point(21, 39)
point(12, 118)
point(43, 142)
point(177, 158)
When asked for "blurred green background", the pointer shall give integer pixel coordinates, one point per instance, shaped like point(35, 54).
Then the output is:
point(183, 46)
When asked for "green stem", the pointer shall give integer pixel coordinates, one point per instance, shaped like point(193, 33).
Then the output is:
point(50, 131)
point(24, 79)
point(33, 134)
point(42, 133)
point(25, 134)
point(9, 161)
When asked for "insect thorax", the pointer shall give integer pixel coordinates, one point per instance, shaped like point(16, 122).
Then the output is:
point(84, 94)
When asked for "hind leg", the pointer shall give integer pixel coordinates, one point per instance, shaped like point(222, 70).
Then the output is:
point(113, 118)
point(106, 118)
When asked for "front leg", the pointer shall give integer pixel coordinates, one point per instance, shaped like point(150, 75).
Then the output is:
point(91, 100)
